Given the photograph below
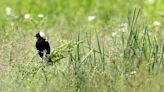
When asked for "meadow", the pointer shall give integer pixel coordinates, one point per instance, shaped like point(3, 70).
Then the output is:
point(97, 45)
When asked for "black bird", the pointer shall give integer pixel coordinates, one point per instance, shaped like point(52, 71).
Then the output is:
point(42, 45)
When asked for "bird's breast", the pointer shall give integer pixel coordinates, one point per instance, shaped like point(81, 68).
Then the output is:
point(41, 45)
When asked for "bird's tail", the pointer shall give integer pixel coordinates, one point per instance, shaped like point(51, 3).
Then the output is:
point(49, 60)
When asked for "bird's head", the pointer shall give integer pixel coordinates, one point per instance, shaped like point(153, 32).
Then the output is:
point(40, 35)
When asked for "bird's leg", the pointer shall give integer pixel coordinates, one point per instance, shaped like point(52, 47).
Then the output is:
point(41, 55)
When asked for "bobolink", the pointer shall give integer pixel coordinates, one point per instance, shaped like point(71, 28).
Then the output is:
point(42, 45)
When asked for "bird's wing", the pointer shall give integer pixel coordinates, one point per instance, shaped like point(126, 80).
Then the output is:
point(48, 47)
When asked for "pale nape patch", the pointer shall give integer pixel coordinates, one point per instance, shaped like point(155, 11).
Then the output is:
point(42, 35)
